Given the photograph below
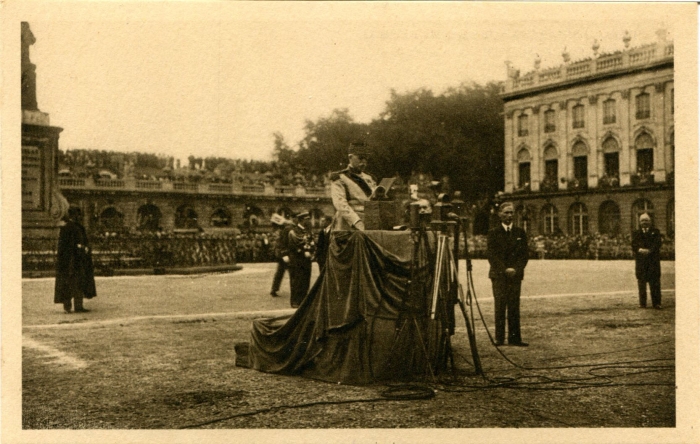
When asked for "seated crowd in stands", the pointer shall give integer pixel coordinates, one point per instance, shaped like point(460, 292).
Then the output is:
point(113, 165)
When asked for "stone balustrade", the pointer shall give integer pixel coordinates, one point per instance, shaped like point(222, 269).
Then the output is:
point(155, 186)
point(604, 64)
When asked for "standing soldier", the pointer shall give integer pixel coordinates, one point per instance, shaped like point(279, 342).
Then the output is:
point(351, 188)
point(646, 244)
point(297, 255)
point(75, 278)
point(281, 233)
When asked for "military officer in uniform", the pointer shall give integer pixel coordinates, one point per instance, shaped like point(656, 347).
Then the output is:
point(646, 244)
point(297, 253)
point(350, 189)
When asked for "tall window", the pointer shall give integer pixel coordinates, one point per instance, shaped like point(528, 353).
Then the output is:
point(523, 174)
point(522, 125)
point(640, 207)
point(522, 218)
point(643, 106)
point(551, 169)
point(645, 154)
point(609, 218)
point(611, 161)
point(609, 111)
point(578, 219)
point(578, 118)
point(672, 100)
point(612, 164)
point(581, 168)
point(549, 124)
point(523, 168)
point(550, 219)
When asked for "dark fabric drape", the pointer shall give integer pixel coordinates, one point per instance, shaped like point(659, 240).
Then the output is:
point(366, 318)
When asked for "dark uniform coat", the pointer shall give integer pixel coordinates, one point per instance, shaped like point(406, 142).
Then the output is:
point(507, 250)
point(74, 269)
point(298, 244)
point(647, 267)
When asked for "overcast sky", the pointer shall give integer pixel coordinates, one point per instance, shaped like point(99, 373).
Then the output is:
point(222, 81)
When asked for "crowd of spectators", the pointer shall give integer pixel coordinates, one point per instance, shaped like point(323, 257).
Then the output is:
point(113, 165)
point(593, 246)
point(158, 249)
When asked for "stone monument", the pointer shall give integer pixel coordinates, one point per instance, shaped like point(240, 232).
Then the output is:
point(42, 202)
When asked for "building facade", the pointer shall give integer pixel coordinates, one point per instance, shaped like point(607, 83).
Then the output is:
point(113, 205)
point(589, 145)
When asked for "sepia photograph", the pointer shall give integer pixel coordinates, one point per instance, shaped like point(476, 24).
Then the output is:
point(371, 222)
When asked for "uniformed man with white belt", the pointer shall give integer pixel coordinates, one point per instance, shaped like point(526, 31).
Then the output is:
point(350, 189)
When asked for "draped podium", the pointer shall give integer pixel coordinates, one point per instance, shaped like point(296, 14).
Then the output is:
point(368, 315)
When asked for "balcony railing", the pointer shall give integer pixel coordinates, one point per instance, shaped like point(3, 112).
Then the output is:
point(642, 179)
point(155, 186)
point(654, 53)
point(577, 184)
point(606, 181)
point(549, 185)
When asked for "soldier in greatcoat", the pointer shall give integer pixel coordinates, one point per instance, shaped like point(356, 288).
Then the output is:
point(75, 279)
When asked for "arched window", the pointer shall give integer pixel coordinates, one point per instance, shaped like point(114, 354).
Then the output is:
point(639, 207)
point(221, 217)
point(578, 219)
point(523, 168)
point(522, 217)
point(611, 162)
point(551, 169)
point(609, 218)
point(252, 216)
point(671, 218)
point(186, 217)
point(111, 219)
point(550, 219)
point(148, 217)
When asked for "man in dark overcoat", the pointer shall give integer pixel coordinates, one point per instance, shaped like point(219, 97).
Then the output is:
point(298, 253)
point(75, 279)
point(507, 253)
point(646, 245)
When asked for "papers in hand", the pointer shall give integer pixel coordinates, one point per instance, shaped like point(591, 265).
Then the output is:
point(382, 190)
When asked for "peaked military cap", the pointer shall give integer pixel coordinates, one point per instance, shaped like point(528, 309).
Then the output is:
point(359, 149)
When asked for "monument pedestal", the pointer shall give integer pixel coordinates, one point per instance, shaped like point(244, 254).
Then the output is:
point(41, 210)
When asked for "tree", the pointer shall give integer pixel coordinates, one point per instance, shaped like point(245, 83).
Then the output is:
point(324, 147)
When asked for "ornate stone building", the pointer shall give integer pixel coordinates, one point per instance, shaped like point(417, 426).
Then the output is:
point(130, 204)
point(589, 145)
